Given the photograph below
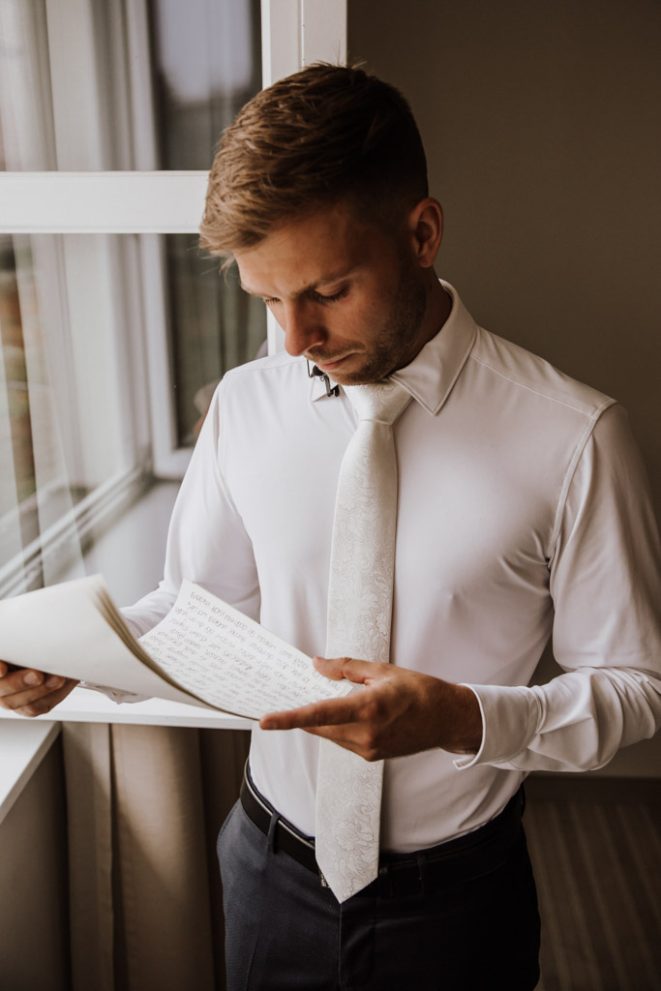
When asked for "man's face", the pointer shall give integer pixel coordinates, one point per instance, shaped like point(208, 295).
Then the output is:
point(348, 296)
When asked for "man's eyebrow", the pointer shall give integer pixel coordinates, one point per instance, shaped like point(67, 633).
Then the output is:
point(312, 287)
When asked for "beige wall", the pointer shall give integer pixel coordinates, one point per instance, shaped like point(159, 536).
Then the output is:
point(542, 125)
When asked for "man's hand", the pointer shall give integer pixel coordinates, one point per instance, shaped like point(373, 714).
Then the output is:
point(398, 712)
point(30, 692)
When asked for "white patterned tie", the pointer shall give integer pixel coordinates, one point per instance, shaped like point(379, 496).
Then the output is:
point(348, 805)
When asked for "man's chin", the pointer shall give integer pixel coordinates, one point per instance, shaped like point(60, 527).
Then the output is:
point(350, 371)
point(350, 377)
point(367, 375)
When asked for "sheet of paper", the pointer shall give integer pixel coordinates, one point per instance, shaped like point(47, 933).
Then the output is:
point(60, 629)
point(230, 661)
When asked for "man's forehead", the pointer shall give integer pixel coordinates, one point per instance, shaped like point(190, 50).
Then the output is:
point(298, 268)
point(309, 252)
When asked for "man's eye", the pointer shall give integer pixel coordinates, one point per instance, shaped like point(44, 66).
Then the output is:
point(316, 296)
point(333, 298)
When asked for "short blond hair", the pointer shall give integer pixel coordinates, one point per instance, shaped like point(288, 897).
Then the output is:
point(324, 134)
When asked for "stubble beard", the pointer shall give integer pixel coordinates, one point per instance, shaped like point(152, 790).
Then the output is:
point(395, 346)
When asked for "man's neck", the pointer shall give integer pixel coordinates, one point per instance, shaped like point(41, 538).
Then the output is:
point(437, 310)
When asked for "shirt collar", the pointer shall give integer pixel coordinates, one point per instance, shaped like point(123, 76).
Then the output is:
point(431, 375)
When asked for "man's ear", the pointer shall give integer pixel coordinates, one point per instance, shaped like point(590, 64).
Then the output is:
point(425, 225)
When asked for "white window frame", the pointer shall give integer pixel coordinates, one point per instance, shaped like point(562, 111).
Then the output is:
point(150, 202)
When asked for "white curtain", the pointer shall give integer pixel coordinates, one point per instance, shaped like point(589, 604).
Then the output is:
point(144, 806)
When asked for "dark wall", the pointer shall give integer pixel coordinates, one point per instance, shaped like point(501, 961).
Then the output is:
point(542, 122)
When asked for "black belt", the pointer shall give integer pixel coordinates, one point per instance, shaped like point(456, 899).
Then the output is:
point(476, 853)
point(286, 836)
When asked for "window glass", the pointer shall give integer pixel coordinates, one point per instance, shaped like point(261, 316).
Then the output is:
point(124, 84)
point(73, 438)
point(27, 141)
point(17, 479)
point(141, 84)
point(74, 384)
point(206, 58)
point(215, 327)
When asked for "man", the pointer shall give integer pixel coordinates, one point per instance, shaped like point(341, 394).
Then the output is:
point(522, 511)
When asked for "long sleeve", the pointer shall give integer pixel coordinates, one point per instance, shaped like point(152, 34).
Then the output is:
point(605, 583)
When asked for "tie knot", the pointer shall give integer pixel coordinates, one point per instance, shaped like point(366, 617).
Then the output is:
point(383, 401)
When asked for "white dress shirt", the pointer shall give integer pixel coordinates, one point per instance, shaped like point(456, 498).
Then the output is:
point(523, 513)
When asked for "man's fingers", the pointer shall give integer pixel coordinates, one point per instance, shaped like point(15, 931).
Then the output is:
point(330, 667)
point(334, 734)
point(45, 702)
point(330, 713)
point(20, 680)
point(349, 668)
point(16, 700)
point(23, 687)
point(8, 680)
point(340, 726)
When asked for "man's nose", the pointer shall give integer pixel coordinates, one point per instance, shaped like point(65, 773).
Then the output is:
point(300, 322)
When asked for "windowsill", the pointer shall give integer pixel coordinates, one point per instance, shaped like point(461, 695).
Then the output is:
point(87, 706)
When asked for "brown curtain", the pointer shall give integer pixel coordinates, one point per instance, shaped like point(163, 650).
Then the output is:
point(144, 807)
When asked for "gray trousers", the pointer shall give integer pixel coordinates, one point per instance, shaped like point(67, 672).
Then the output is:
point(473, 928)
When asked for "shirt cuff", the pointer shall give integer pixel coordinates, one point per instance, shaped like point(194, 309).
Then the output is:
point(510, 720)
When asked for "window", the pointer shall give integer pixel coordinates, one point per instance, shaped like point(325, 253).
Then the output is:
point(74, 439)
point(206, 64)
point(110, 344)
